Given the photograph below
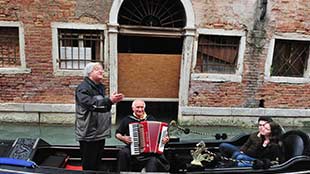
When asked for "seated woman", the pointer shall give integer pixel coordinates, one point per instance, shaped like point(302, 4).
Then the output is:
point(261, 145)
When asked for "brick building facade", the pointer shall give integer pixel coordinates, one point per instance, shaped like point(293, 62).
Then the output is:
point(218, 61)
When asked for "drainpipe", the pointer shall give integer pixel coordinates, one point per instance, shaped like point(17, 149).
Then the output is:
point(263, 9)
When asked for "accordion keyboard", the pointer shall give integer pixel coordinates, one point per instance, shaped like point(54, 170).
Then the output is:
point(134, 131)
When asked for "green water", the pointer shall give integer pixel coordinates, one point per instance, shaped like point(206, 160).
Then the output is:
point(64, 134)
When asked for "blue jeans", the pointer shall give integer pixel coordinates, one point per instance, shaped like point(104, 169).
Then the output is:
point(229, 150)
point(244, 160)
point(233, 151)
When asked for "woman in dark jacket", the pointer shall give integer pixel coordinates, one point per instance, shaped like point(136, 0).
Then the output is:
point(269, 148)
point(263, 144)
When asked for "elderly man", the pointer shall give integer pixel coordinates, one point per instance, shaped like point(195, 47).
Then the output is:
point(150, 161)
point(93, 117)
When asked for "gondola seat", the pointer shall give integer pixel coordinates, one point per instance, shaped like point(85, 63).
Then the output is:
point(55, 161)
point(295, 143)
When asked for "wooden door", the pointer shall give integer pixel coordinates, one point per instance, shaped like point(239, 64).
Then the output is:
point(148, 75)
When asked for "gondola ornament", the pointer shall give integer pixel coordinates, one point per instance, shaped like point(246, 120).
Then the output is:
point(198, 156)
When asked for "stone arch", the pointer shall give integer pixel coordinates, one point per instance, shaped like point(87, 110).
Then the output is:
point(189, 31)
point(190, 19)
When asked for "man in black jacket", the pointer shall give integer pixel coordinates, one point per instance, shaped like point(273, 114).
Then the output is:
point(93, 116)
point(150, 161)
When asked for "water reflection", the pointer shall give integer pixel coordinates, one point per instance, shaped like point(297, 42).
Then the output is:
point(64, 134)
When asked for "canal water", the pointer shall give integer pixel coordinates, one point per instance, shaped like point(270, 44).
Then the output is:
point(64, 134)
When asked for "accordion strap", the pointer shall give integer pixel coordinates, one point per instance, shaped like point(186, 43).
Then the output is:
point(137, 119)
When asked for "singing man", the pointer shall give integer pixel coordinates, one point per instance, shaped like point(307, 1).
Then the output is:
point(152, 162)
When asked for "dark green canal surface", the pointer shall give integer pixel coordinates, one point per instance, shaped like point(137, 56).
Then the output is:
point(64, 134)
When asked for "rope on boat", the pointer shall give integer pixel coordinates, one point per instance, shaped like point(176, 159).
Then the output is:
point(235, 160)
point(226, 158)
point(187, 131)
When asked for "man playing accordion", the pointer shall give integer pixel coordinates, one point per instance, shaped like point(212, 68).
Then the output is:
point(152, 162)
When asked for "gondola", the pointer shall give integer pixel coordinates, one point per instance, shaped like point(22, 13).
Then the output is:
point(33, 156)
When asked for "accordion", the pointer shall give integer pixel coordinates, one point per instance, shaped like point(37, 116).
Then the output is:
point(147, 137)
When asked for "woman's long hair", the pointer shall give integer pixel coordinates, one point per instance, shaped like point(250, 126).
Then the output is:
point(276, 132)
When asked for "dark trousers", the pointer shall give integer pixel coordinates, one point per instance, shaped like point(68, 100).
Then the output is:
point(151, 162)
point(91, 154)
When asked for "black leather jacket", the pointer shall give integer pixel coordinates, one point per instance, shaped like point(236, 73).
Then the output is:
point(93, 116)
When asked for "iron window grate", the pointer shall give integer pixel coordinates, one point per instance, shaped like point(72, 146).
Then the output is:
point(290, 58)
point(79, 47)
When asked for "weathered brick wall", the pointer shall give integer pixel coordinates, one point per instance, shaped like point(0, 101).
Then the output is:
point(290, 16)
point(41, 85)
point(231, 14)
point(287, 17)
point(216, 94)
point(282, 16)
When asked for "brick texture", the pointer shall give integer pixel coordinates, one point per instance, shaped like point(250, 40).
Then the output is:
point(42, 86)
point(283, 17)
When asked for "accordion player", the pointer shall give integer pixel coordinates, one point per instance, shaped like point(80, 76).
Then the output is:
point(147, 137)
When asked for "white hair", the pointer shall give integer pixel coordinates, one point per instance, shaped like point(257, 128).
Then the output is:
point(134, 103)
point(89, 68)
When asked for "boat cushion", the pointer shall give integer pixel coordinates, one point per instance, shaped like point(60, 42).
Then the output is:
point(54, 161)
point(295, 143)
point(17, 162)
point(73, 167)
point(294, 146)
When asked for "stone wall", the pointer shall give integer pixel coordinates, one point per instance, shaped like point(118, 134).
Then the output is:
point(281, 17)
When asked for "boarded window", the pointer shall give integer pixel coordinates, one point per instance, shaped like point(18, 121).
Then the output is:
point(217, 54)
point(79, 47)
point(290, 58)
point(149, 75)
point(9, 47)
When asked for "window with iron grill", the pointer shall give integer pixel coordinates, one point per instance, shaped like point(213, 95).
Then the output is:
point(290, 58)
point(217, 54)
point(79, 47)
point(9, 47)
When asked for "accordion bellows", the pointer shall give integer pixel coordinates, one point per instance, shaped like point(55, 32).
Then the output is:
point(147, 137)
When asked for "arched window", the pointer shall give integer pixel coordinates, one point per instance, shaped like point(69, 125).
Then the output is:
point(153, 13)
